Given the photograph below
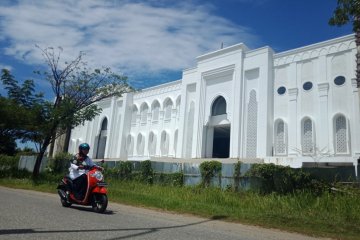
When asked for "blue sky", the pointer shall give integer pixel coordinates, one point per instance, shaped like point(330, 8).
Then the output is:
point(153, 41)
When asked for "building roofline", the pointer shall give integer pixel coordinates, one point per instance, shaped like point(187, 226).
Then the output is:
point(315, 45)
point(161, 85)
point(239, 46)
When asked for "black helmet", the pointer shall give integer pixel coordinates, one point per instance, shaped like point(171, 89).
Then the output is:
point(84, 146)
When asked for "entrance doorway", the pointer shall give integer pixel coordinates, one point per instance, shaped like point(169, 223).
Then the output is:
point(221, 143)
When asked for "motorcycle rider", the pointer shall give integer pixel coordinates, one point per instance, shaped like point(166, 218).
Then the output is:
point(79, 166)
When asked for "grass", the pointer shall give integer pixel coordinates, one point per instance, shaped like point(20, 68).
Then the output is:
point(328, 215)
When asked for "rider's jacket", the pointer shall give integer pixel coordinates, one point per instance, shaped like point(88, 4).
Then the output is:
point(74, 170)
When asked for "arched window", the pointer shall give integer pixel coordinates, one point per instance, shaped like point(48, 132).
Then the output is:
point(134, 114)
point(178, 101)
point(219, 106)
point(164, 143)
point(104, 124)
point(175, 141)
point(280, 138)
point(341, 135)
point(167, 109)
point(307, 136)
point(144, 111)
point(155, 108)
point(101, 143)
point(152, 144)
point(140, 145)
point(130, 145)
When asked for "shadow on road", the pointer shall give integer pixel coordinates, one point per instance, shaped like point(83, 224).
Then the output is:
point(89, 209)
point(145, 230)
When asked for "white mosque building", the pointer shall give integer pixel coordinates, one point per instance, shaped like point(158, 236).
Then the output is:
point(288, 108)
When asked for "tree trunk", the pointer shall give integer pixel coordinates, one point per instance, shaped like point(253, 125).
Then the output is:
point(67, 139)
point(40, 156)
point(43, 148)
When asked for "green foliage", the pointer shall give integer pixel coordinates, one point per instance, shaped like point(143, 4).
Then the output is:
point(147, 173)
point(345, 12)
point(237, 175)
point(274, 178)
point(60, 163)
point(208, 170)
point(21, 113)
point(169, 179)
point(123, 171)
point(9, 162)
point(325, 215)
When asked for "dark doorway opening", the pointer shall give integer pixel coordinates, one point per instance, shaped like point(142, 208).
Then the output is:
point(221, 143)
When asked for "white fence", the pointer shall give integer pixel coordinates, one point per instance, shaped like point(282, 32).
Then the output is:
point(28, 163)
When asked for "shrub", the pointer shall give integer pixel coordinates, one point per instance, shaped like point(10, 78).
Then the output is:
point(125, 170)
point(9, 162)
point(280, 179)
point(237, 176)
point(60, 163)
point(208, 170)
point(146, 171)
point(169, 179)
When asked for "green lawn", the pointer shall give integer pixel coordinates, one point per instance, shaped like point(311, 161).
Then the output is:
point(335, 216)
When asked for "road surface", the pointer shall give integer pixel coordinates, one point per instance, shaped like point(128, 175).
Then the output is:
point(34, 215)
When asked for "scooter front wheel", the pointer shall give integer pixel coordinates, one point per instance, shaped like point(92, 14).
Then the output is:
point(99, 202)
point(65, 203)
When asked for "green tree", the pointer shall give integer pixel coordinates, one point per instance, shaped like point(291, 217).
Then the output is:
point(348, 11)
point(20, 111)
point(76, 90)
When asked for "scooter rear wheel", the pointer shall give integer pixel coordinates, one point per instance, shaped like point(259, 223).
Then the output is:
point(99, 203)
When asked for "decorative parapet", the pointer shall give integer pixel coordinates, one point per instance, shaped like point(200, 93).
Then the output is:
point(315, 50)
point(157, 90)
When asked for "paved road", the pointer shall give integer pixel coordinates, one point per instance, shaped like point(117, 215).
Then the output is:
point(33, 215)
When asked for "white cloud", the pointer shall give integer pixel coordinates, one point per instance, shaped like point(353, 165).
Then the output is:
point(8, 67)
point(131, 37)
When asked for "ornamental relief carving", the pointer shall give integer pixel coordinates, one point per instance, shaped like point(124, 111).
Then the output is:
point(314, 53)
point(157, 91)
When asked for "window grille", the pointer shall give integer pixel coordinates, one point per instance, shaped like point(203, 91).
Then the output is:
point(280, 144)
point(307, 137)
point(340, 135)
point(251, 138)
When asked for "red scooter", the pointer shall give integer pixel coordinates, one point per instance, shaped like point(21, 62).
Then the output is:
point(95, 192)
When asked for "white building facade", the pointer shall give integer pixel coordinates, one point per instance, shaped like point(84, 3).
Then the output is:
point(288, 108)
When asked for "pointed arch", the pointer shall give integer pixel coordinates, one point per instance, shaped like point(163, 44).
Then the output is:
point(144, 108)
point(164, 147)
point(130, 145)
point(219, 106)
point(178, 102)
point(155, 109)
point(101, 140)
point(307, 136)
point(140, 144)
point(280, 138)
point(176, 135)
point(134, 114)
point(168, 104)
point(341, 134)
point(152, 144)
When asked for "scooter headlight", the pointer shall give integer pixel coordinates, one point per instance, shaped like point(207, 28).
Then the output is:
point(98, 175)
